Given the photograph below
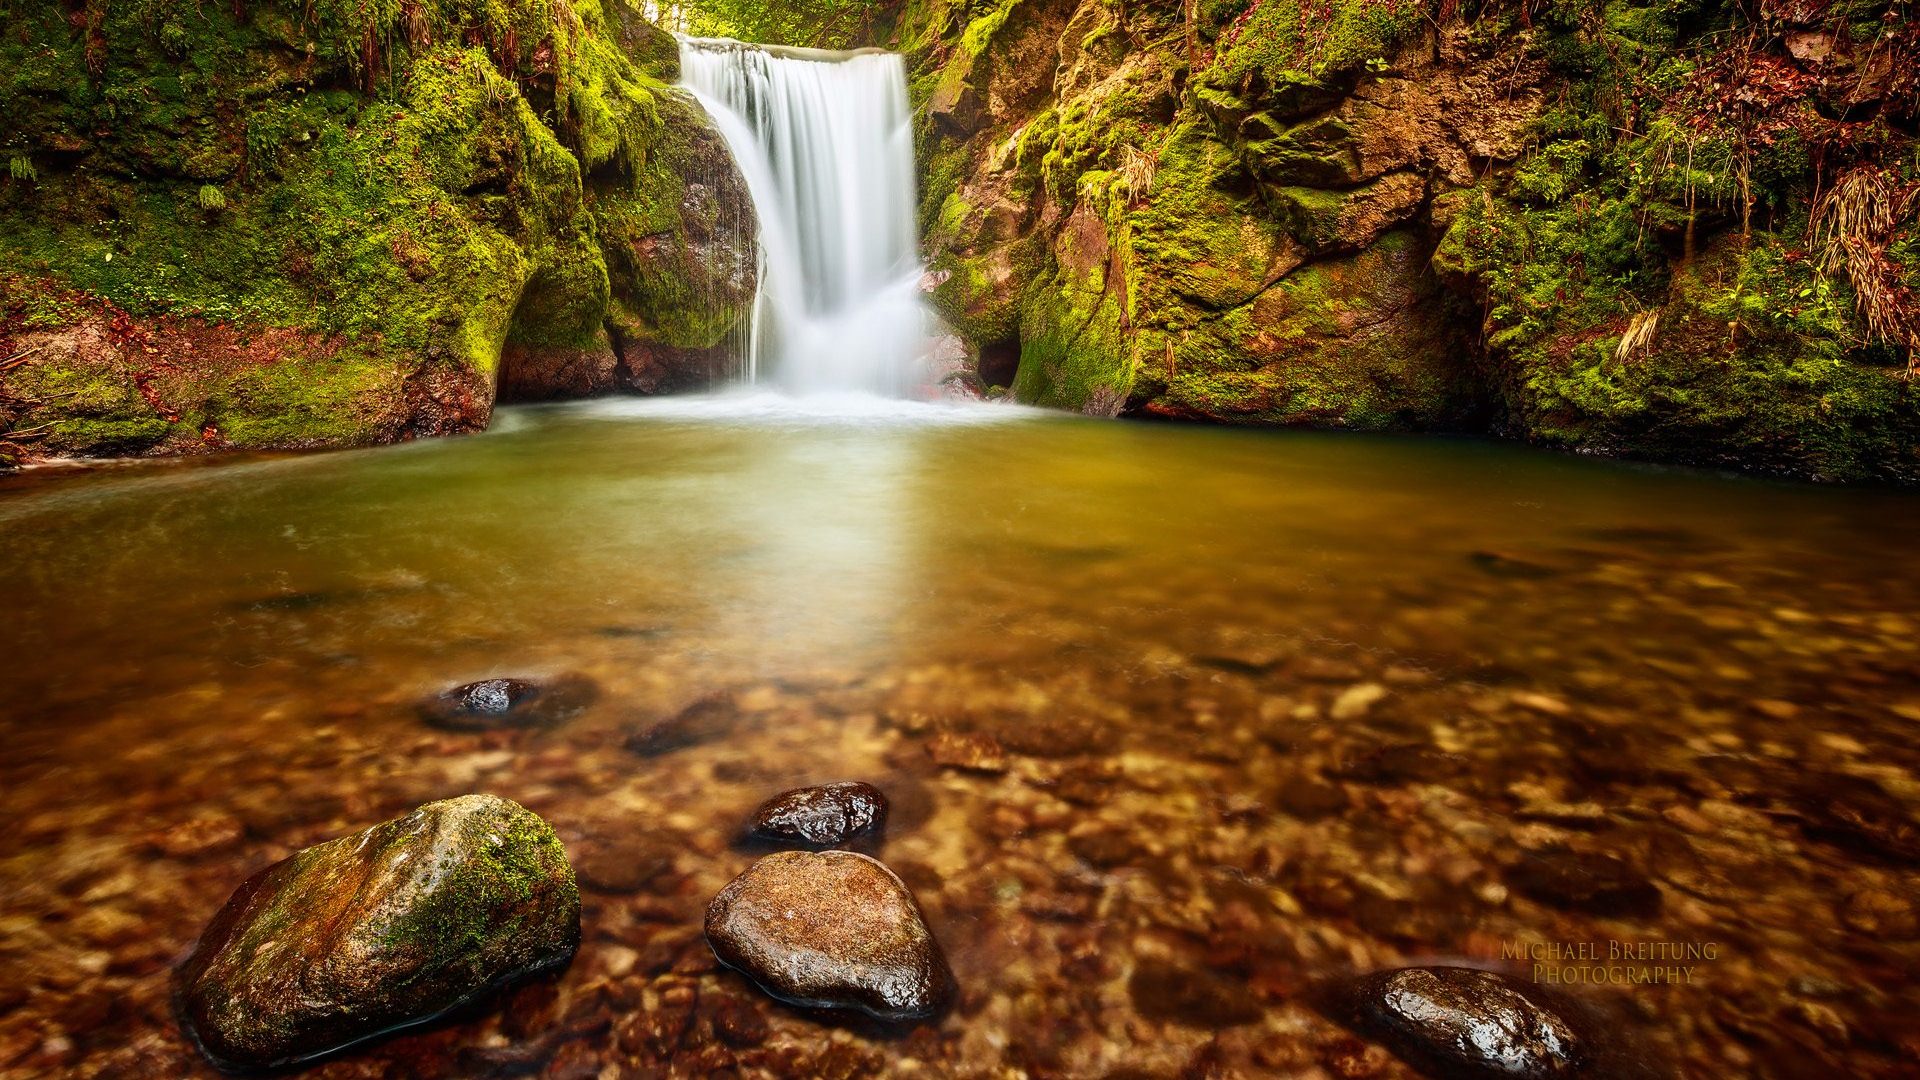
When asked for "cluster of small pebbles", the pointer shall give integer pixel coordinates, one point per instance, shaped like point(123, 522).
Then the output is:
point(1119, 817)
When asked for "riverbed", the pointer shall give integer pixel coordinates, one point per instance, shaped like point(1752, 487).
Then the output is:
point(1178, 723)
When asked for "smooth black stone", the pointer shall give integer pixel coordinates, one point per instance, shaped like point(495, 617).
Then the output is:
point(821, 816)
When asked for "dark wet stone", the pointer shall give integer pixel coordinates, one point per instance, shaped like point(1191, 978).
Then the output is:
point(967, 750)
point(832, 929)
point(382, 929)
point(1510, 566)
point(1310, 800)
point(1062, 735)
point(1597, 883)
point(821, 816)
point(1105, 848)
point(1465, 1023)
point(708, 718)
point(1405, 763)
point(1164, 990)
point(1858, 815)
point(492, 704)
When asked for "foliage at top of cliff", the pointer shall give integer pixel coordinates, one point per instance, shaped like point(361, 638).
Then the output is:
point(823, 24)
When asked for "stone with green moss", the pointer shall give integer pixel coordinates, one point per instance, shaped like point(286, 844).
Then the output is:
point(294, 224)
point(389, 927)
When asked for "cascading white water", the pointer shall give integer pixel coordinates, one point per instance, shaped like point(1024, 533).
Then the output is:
point(825, 144)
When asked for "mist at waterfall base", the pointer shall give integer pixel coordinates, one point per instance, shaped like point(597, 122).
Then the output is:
point(825, 144)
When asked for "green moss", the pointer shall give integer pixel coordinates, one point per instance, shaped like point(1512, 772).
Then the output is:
point(1076, 348)
point(1286, 42)
point(1198, 241)
point(507, 859)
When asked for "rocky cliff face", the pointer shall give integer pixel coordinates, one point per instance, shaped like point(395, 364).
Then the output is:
point(335, 223)
point(1598, 225)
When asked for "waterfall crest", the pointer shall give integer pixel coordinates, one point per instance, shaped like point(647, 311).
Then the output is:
point(825, 143)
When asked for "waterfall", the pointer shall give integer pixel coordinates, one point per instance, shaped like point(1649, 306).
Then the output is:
point(825, 144)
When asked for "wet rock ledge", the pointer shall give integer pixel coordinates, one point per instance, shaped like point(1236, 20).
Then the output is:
point(382, 929)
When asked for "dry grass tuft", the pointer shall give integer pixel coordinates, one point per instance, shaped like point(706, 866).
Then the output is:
point(1851, 229)
point(1639, 335)
point(1136, 172)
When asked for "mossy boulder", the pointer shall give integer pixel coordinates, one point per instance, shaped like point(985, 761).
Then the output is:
point(322, 224)
point(389, 927)
point(1367, 341)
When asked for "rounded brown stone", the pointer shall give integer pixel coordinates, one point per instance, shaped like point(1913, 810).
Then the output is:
point(831, 929)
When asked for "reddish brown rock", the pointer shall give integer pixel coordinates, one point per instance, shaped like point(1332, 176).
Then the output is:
point(831, 929)
point(967, 750)
point(537, 372)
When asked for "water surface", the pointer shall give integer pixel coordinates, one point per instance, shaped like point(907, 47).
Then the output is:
point(1271, 707)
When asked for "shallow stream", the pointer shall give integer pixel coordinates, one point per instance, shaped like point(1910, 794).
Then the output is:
point(1222, 714)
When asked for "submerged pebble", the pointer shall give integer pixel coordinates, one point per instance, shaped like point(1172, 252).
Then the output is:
point(824, 815)
point(388, 927)
point(708, 718)
point(1190, 995)
point(509, 703)
point(832, 929)
point(1584, 881)
point(967, 750)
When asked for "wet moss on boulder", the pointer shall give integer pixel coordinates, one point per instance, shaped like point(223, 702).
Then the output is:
point(389, 927)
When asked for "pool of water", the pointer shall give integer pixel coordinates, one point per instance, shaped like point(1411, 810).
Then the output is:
point(1270, 708)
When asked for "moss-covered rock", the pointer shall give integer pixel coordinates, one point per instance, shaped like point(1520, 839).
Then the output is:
point(320, 224)
point(388, 927)
point(1738, 366)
